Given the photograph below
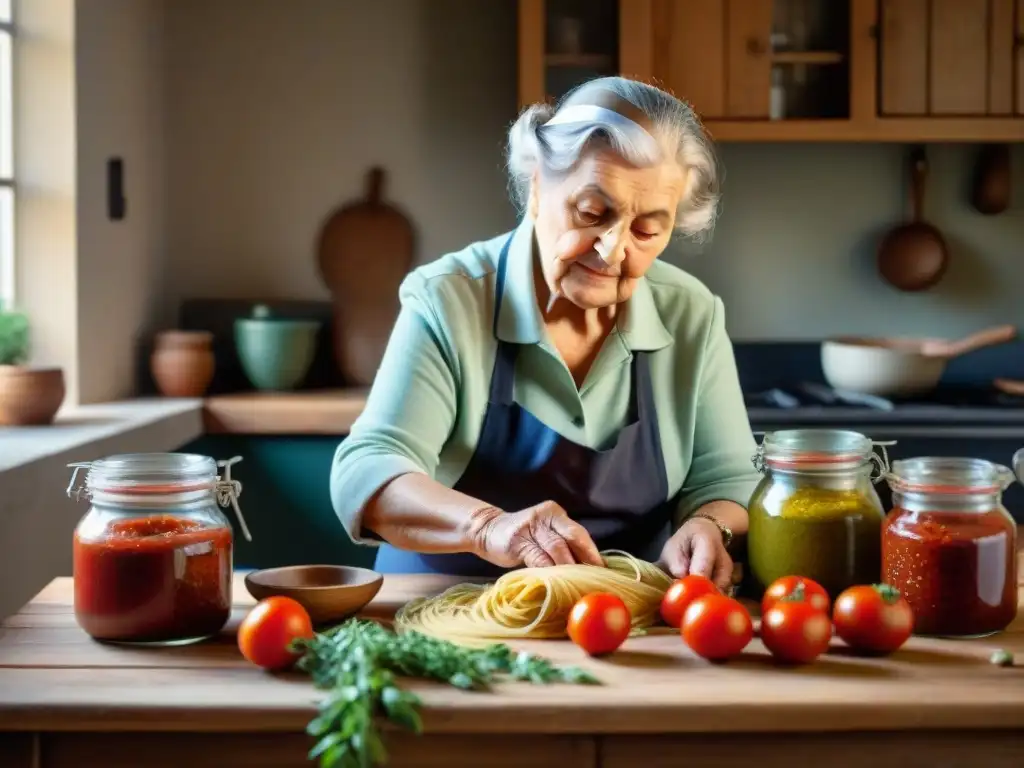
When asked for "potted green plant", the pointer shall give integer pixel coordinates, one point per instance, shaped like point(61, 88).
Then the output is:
point(28, 396)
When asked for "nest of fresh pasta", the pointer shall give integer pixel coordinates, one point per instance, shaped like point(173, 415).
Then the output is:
point(534, 603)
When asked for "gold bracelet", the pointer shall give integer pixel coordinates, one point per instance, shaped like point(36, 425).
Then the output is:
point(725, 530)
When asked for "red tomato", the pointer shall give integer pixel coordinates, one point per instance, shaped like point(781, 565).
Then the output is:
point(795, 631)
point(683, 592)
point(797, 587)
point(599, 623)
point(268, 629)
point(717, 627)
point(875, 618)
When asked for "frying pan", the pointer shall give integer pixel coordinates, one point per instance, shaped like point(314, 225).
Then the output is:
point(913, 256)
point(898, 367)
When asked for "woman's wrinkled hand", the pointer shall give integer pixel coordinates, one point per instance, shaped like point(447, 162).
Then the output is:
point(539, 536)
point(697, 547)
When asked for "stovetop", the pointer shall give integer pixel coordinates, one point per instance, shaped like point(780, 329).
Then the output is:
point(819, 397)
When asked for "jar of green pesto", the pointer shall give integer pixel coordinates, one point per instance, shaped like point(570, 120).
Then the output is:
point(815, 512)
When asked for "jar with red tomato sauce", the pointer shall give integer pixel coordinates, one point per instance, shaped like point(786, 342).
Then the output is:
point(153, 555)
point(949, 545)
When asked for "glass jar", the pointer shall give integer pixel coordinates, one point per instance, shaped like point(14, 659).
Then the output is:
point(949, 545)
point(815, 512)
point(153, 555)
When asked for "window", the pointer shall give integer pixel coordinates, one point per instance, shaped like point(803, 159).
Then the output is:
point(7, 190)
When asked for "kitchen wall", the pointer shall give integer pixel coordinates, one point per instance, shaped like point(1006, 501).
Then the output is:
point(120, 75)
point(273, 116)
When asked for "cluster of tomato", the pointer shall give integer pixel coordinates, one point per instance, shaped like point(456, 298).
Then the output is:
point(796, 621)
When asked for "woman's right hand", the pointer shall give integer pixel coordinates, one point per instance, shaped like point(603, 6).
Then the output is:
point(536, 537)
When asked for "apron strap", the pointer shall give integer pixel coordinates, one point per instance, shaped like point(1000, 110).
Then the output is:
point(643, 386)
point(499, 284)
point(503, 375)
point(647, 416)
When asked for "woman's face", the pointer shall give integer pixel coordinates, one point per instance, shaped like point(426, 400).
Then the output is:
point(607, 204)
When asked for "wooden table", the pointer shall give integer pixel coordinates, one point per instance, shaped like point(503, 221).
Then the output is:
point(68, 701)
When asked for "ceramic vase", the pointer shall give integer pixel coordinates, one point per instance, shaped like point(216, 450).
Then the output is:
point(182, 363)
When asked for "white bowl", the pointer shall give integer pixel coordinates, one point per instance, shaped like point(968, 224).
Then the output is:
point(861, 366)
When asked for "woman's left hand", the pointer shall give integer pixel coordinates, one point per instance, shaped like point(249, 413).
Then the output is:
point(697, 547)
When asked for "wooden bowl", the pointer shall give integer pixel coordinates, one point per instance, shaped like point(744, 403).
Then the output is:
point(329, 593)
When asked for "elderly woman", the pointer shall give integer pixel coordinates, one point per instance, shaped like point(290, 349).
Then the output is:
point(557, 391)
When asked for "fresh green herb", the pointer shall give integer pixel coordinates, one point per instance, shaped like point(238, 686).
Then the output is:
point(13, 337)
point(357, 664)
point(1001, 658)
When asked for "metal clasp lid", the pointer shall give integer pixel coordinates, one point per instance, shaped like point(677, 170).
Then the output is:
point(226, 489)
point(881, 462)
point(80, 491)
point(879, 472)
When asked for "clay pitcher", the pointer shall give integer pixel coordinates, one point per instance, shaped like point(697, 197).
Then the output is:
point(182, 363)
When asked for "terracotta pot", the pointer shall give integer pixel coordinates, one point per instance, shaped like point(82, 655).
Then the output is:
point(182, 363)
point(29, 396)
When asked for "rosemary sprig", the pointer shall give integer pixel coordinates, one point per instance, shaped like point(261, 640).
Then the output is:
point(357, 664)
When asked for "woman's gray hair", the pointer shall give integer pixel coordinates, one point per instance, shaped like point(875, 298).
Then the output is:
point(556, 149)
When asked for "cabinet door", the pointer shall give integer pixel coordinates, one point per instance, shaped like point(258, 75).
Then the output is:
point(748, 62)
point(959, 50)
point(1000, 57)
point(689, 52)
point(716, 54)
point(903, 79)
point(1019, 48)
point(947, 58)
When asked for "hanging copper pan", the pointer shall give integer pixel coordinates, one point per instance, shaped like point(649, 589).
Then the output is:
point(914, 256)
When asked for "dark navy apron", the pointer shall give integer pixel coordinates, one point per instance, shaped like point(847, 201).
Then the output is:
point(620, 494)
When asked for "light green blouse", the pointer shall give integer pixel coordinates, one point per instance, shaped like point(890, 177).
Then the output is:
point(427, 402)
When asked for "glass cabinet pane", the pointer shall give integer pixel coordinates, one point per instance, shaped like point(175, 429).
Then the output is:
point(810, 41)
point(581, 41)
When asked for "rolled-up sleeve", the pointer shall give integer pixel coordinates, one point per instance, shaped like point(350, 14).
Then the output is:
point(408, 415)
point(723, 445)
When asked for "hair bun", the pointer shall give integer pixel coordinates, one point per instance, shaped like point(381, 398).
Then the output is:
point(524, 148)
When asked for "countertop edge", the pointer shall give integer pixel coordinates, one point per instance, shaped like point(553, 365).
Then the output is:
point(333, 412)
point(315, 412)
point(557, 719)
point(77, 430)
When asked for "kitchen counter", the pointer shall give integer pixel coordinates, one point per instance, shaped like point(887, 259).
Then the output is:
point(332, 412)
point(317, 412)
point(905, 421)
point(67, 701)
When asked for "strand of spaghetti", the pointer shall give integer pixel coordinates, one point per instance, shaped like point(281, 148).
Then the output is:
point(534, 603)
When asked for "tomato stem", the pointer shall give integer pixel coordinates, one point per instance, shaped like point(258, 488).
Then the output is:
point(798, 595)
point(887, 592)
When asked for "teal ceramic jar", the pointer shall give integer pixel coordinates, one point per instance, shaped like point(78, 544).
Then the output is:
point(275, 352)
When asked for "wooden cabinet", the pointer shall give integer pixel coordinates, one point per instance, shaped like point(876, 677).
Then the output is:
point(948, 57)
point(755, 59)
point(797, 70)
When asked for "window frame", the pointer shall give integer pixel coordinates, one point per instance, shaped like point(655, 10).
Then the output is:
point(8, 238)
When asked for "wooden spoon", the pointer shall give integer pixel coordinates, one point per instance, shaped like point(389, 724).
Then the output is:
point(990, 193)
point(913, 256)
point(1013, 387)
point(988, 337)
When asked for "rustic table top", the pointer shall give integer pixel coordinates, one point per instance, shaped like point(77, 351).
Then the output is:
point(53, 677)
